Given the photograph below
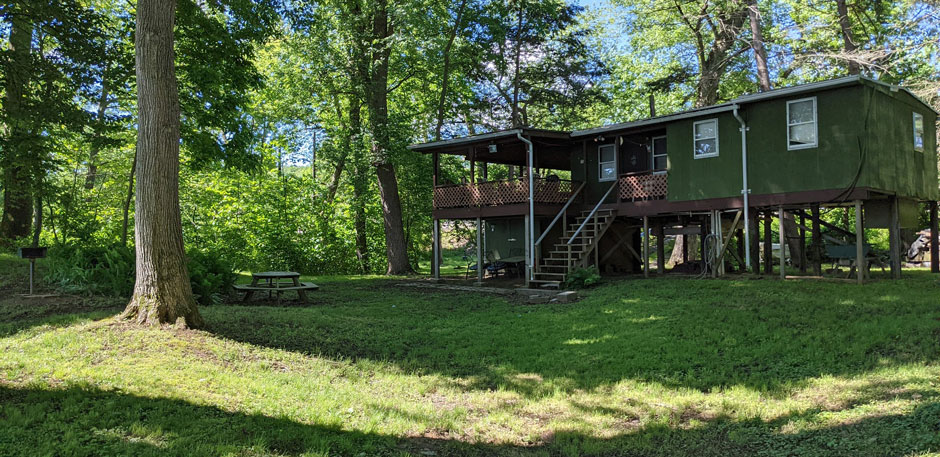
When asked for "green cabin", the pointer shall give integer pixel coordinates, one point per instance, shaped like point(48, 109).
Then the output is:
point(587, 197)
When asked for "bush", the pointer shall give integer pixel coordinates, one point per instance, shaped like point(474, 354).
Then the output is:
point(581, 278)
point(100, 270)
point(211, 277)
point(111, 270)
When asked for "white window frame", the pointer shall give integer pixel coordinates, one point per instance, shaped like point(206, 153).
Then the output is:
point(600, 163)
point(815, 123)
point(653, 154)
point(922, 129)
point(694, 139)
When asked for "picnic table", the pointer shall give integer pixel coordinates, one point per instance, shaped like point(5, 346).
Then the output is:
point(274, 281)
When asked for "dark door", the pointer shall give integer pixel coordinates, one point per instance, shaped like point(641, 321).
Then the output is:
point(635, 155)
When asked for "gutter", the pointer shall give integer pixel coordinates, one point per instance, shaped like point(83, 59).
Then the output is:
point(531, 227)
point(745, 191)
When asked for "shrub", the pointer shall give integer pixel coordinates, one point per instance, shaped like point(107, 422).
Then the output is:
point(211, 276)
point(581, 278)
point(101, 270)
point(111, 270)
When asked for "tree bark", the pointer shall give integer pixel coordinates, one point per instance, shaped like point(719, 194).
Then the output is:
point(848, 38)
point(713, 58)
point(37, 219)
point(395, 245)
point(757, 44)
point(445, 74)
point(127, 201)
point(17, 179)
point(162, 292)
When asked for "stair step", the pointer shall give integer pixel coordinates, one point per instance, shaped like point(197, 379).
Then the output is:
point(545, 273)
point(562, 245)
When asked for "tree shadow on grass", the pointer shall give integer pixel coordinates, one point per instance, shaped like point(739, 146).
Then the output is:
point(86, 421)
point(762, 334)
point(18, 314)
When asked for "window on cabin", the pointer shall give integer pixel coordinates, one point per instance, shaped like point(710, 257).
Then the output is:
point(607, 162)
point(659, 153)
point(801, 124)
point(918, 132)
point(706, 138)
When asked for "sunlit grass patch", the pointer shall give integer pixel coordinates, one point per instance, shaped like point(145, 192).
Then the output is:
point(659, 367)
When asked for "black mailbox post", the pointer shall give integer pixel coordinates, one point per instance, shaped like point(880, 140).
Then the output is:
point(32, 254)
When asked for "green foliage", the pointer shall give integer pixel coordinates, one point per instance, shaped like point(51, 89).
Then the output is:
point(111, 271)
point(100, 270)
point(582, 278)
point(211, 277)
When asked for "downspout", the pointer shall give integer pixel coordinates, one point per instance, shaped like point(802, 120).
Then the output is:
point(531, 259)
point(745, 191)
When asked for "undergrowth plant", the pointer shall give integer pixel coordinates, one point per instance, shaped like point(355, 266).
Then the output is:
point(111, 271)
point(581, 278)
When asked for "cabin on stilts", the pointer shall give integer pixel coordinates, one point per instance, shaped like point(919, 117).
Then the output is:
point(710, 176)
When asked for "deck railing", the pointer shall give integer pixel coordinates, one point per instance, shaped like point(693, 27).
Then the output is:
point(643, 186)
point(507, 192)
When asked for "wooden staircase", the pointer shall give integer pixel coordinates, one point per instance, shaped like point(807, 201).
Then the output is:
point(551, 271)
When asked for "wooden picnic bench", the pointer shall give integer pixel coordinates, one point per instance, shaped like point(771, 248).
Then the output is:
point(846, 255)
point(271, 281)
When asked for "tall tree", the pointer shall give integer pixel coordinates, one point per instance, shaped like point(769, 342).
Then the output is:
point(757, 44)
point(715, 28)
point(17, 198)
point(162, 292)
point(377, 101)
point(445, 71)
point(848, 38)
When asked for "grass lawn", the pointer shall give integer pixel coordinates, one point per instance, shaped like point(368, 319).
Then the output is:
point(668, 367)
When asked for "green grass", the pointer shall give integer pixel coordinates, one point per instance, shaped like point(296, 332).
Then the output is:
point(638, 367)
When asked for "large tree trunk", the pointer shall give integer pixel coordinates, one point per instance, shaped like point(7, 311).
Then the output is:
point(848, 38)
point(714, 58)
point(162, 293)
point(757, 44)
point(717, 59)
point(395, 245)
point(127, 199)
point(17, 179)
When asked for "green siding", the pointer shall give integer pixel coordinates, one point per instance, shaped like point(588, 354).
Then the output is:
point(864, 138)
point(832, 164)
point(506, 236)
point(892, 164)
point(858, 124)
point(709, 177)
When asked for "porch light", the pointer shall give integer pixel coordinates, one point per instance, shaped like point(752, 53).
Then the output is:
point(492, 149)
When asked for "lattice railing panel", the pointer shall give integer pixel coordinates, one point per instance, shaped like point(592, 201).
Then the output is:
point(644, 187)
point(508, 192)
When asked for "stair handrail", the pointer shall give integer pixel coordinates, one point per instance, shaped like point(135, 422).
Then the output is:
point(596, 207)
point(560, 213)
